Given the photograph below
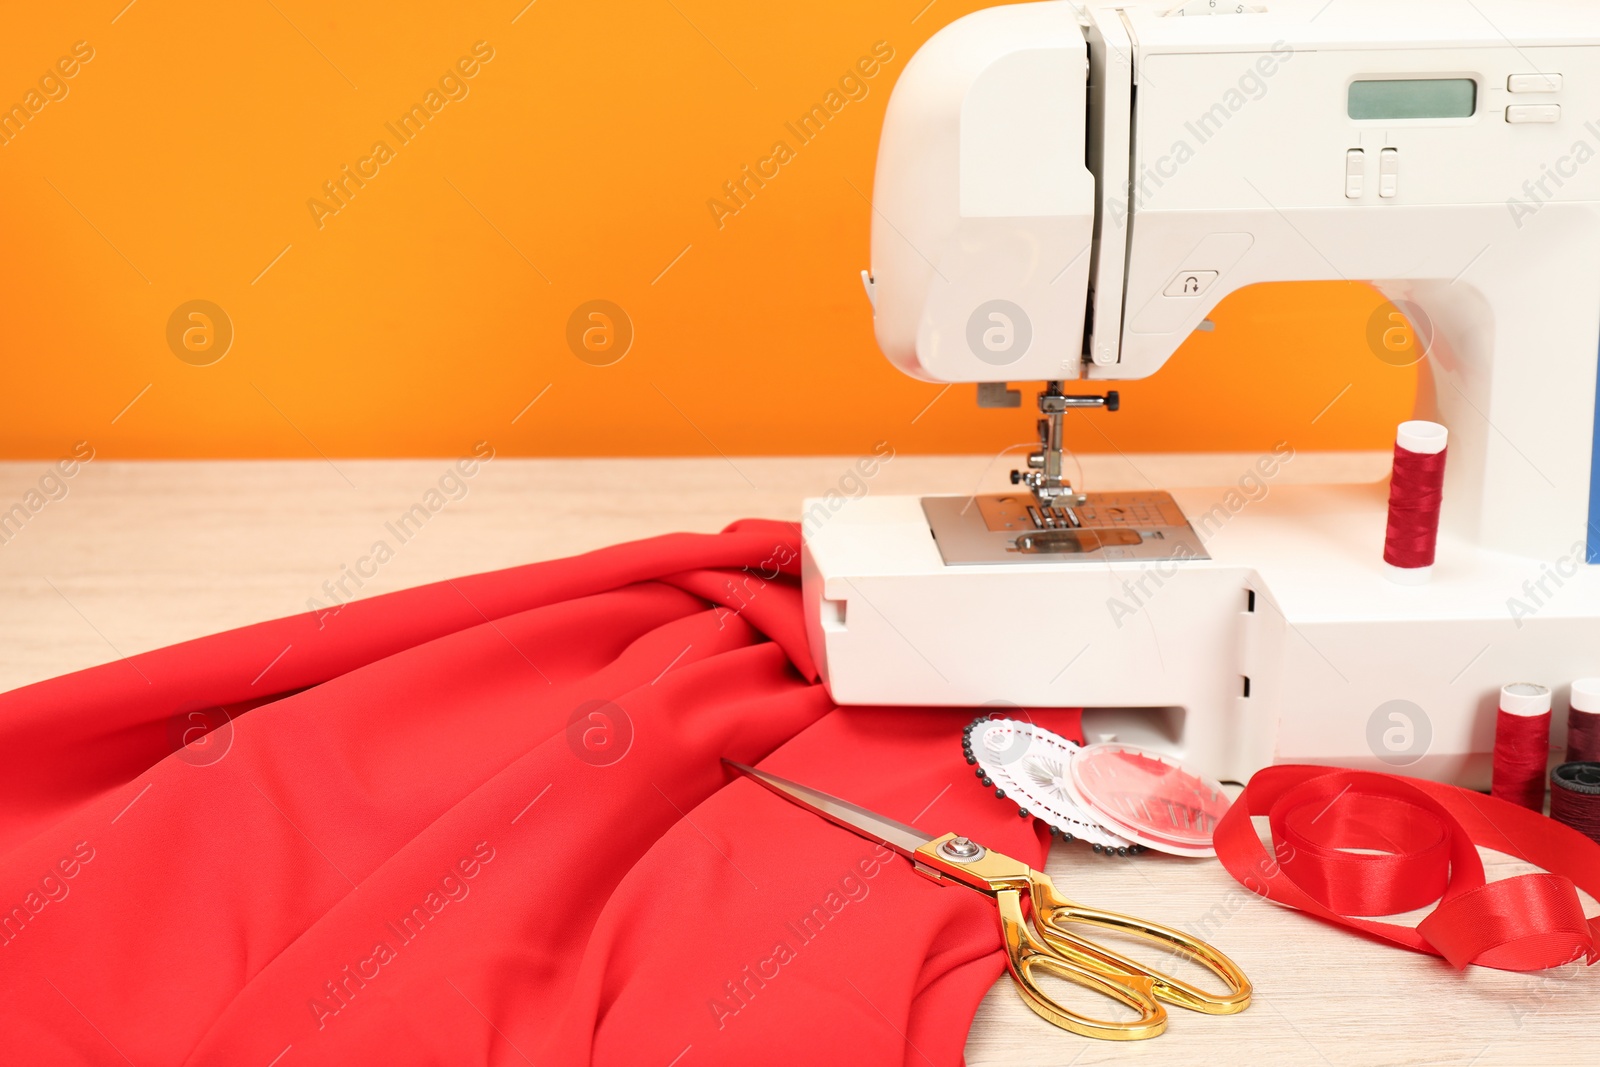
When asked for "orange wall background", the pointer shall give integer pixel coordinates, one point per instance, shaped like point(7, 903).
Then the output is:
point(576, 164)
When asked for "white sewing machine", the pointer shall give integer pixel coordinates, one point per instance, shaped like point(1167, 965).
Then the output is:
point(1064, 192)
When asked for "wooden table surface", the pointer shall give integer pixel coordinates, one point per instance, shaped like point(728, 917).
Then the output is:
point(134, 556)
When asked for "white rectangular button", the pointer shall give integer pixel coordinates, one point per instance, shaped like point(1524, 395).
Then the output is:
point(1389, 172)
point(1190, 282)
point(1355, 173)
point(1520, 113)
point(1534, 83)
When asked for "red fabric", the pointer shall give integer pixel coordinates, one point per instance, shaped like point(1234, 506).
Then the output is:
point(1424, 834)
point(485, 821)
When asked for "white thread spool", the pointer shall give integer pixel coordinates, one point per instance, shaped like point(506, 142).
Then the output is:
point(1526, 699)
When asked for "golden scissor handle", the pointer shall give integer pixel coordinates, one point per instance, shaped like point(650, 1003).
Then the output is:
point(1039, 939)
point(1027, 954)
point(1052, 913)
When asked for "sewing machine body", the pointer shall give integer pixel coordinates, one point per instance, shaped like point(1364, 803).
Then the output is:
point(1100, 184)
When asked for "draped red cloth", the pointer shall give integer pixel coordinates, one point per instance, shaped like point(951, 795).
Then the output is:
point(486, 821)
point(1351, 844)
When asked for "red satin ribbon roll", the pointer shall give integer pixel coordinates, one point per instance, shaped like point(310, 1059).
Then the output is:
point(1425, 834)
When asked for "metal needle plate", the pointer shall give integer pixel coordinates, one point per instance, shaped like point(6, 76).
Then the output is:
point(1012, 528)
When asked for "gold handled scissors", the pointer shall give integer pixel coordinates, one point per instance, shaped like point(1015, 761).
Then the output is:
point(1046, 944)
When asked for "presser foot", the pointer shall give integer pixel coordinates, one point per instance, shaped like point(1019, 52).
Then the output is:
point(1044, 475)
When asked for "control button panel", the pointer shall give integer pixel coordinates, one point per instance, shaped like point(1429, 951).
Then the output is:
point(1190, 282)
point(1355, 174)
point(1534, 83)
point(1526, 113)
point(1389, 172)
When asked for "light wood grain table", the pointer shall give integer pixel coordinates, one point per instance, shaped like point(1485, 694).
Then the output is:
point(138, 555)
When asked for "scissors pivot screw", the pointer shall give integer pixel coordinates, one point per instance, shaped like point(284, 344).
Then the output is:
point(962, 848)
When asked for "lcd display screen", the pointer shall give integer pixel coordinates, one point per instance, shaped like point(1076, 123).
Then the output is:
point(1413, 98)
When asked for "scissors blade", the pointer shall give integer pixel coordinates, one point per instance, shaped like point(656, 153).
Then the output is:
point(897, 835)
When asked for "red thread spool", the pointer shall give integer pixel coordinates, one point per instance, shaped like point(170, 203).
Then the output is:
point(1522, 744)
point(1583, 722)
point(1575, 797)
point(1416, 490)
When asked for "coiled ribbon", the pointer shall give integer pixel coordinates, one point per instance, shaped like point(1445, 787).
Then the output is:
point(1422, 835)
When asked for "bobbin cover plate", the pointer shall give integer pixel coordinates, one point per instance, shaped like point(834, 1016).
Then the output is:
point(1149, 798)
